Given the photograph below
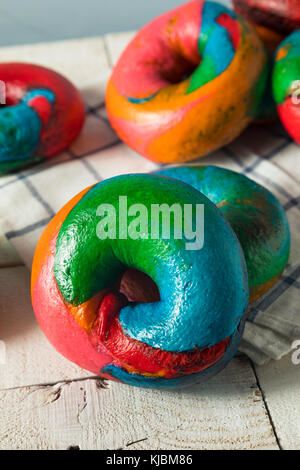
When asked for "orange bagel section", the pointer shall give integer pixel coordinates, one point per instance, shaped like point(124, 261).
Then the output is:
point(178, 126)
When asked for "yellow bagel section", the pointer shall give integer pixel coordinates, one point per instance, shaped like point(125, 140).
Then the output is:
point(176, 124)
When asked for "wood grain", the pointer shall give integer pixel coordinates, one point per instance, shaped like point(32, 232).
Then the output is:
point(59, 55)
point(280, 384)
point(225, 413)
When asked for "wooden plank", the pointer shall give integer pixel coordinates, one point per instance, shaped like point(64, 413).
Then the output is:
point(225, 413)
point(280, 384)
point(30, 359)
point(84, 67)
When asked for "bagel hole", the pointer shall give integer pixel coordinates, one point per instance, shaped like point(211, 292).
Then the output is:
point(181, 70)
point(137, 286)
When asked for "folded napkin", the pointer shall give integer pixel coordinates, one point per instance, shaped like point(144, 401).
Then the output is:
point(28, 200)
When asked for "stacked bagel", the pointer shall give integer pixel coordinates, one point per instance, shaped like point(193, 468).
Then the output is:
point(161, 302)
point(147, 310)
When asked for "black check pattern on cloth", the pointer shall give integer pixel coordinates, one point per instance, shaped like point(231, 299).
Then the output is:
point(248, 170)
point(94, 157)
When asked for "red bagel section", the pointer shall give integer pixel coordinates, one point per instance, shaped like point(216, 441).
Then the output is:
point(55, 320)
point(136, 356)
point(42, 107)
point(161, 59)
point(232, 27)
point(289, 114)
point(63, 122)
point(281, 15)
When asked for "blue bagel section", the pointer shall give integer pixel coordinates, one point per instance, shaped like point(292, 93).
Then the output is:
point(203, 292)
point(20, 128)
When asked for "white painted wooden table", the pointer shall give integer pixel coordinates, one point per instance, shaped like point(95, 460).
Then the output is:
point(48, 403)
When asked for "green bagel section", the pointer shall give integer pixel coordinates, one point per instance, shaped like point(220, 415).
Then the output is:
point(286, 70)
point(204, 293)
point(254, 213)
point(84, 265)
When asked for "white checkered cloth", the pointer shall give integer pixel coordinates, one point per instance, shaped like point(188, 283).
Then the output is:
point(29, 199)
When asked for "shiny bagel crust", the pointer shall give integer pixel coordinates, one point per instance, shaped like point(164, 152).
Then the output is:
point(286, 84)
point(255, 215)
point(188, 83)
point(42, 115)
point(281, 16)
point(178, 331)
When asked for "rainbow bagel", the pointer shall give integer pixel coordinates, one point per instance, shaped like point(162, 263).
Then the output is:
point(286, 84)
point(281, 16)
point(42, 115)
point(181, 333)
point(188, 83)
point(256, 216)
